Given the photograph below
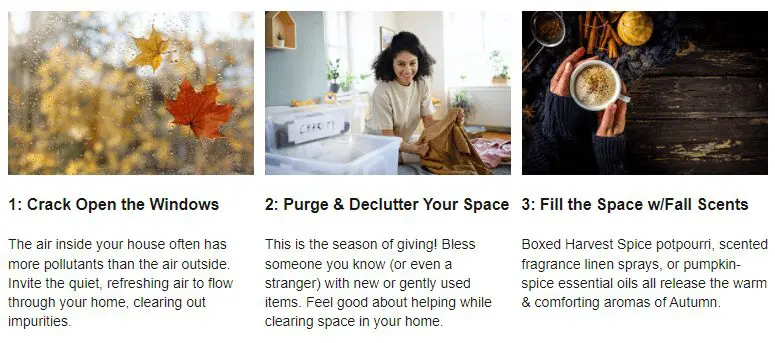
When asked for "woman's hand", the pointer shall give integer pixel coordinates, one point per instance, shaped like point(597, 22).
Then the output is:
point(461, 116)
point(560, 84)
point(421, 148)
point(610, 122)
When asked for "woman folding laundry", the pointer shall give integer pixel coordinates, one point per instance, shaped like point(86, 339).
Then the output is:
point(402, 97)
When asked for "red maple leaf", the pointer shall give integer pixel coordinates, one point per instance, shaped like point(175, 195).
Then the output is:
point(199, 110)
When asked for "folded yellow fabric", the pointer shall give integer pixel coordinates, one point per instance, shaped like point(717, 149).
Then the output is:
point(451, 152)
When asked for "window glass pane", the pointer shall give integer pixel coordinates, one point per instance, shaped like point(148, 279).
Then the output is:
point(470, 39)
point(342, 28)
point(499, 35)
point(336, 35)
point(332, 28)
point(90, 93)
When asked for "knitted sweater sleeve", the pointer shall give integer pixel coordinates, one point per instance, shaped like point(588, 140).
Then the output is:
point(557, 123)
point(610, 153)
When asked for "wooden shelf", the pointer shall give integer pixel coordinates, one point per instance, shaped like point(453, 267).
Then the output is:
point(279, 21)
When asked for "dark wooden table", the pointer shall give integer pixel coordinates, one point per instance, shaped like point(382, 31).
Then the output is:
point(705, 112)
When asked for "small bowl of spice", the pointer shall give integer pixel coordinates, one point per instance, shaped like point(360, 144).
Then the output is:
point(548, 28)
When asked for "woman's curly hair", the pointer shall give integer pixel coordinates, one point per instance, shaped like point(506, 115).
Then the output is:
point(403, 41)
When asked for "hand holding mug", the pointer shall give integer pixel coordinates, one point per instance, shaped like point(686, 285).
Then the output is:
point(560, 84)
point(610, 122)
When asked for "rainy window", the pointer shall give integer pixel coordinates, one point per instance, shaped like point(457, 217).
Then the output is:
point(130, 93)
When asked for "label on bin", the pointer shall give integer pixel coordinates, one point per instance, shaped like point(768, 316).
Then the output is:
point(315, 127)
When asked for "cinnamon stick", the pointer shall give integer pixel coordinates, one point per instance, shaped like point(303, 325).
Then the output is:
point(607, 35)
point(600, 16)
point(616, 37)
point(581, 30)
point(601, 39)
point(603, 22)
point(612, 47)
point(592, 37)
point(587, 21)
point(609, 28)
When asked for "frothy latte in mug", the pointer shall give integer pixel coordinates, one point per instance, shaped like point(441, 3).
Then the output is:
point(595, 85)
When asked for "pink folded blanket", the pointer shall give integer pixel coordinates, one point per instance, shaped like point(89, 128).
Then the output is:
point(493, 151)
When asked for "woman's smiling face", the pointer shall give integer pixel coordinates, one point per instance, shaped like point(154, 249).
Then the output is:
point(405, 67)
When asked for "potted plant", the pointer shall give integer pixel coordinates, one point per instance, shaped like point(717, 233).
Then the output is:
point(354, 82)
point(333, 76)
point(348, 82)
point(500, 69)
point(463, 101)
point(503, 76)
point(280, 40)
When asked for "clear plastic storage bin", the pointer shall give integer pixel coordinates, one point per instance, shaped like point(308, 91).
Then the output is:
point(342, 155)
point(289, 126)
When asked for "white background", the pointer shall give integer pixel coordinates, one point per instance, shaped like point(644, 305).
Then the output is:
point(237, 316)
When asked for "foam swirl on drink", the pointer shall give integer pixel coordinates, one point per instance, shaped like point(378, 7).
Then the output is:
point(595, 85)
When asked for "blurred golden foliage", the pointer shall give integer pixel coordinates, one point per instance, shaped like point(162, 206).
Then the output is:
point(76, 106)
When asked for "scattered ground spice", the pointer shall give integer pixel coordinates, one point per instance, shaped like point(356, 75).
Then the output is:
point(528, 112)
point(549, 29)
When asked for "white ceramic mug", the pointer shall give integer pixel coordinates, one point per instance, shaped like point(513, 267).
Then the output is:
point(617, 81)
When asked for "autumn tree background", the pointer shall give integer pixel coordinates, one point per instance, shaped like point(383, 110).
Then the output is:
point(75, 106)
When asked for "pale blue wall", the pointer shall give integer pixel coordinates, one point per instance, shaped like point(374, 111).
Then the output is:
point(298, 74)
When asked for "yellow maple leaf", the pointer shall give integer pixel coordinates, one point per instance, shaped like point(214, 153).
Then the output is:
point(151, 49)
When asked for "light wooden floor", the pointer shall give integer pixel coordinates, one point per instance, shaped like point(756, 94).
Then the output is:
point(499, 135)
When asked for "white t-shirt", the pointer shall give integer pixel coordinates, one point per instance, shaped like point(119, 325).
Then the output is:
point(399, 108)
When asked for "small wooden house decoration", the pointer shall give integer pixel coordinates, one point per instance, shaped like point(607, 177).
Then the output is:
point(280, 22)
